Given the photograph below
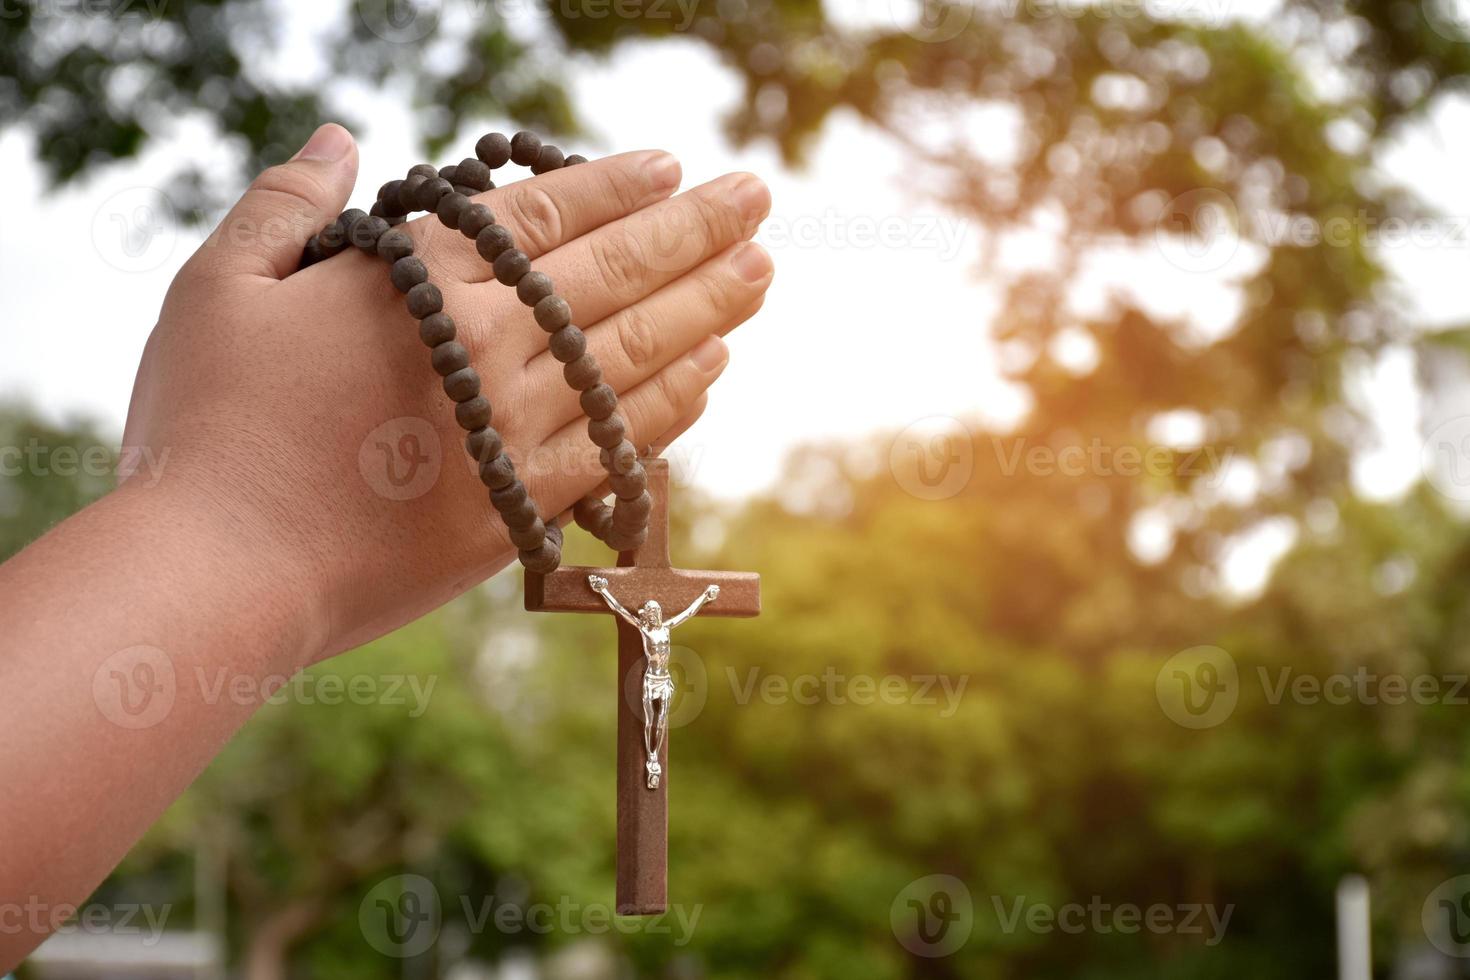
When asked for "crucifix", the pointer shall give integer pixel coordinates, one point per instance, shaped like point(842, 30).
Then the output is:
point(638, 590)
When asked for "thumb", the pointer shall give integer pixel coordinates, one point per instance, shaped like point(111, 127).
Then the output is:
point(264, 234)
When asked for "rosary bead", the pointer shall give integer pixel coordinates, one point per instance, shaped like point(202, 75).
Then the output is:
point(625, 521)
point(620, 460)
point(630, 484)
point(347, 220)
point(475, 219)
point(622, 541)
point(473, 414)
point(583, 373)
point(408, 192)
point(483, 445)
point(365, 233)
point(408, 272)
point(474, 173)
point(494, 240)
point(388, 197)
point(429, 192)
point(425, 170)
point(394, 245)
point(376, 211)
point(331, 239)
point(524, 148)
point(449, 172)
point(599, 401)
point(448, 358)
point(494, 150)
point(437, 329)
point(510, 497)
point(533, 288)
point(587, 511)
point(639, 507)
point(553, 313)
point(550, 158)
point(466, 190)
point(543, 560)
point(574, 159)
point(511, 265)
point(521, 515)
point(462, 385)
point(529, 538)
point(606, 433)
point(451, 206)
point(553, 533)
point(424, 299)
point(313, 252)
point(567, 344)
point(602, 530)
point(498, 472)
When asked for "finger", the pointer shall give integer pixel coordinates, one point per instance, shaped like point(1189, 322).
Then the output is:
point(264, 234)
point(639, 340)
point(622, 262)
point(659, 447)
point(549, 210)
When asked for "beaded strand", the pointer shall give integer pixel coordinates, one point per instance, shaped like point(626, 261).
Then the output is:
point(447, 192)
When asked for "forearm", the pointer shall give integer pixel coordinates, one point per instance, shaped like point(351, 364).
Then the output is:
point(119, 626)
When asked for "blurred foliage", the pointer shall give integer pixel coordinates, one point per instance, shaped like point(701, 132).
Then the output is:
point(1057, 776)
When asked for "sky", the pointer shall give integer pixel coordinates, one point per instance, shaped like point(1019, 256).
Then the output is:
point(877, 320)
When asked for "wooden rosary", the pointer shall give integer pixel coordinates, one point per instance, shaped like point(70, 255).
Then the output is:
point(644, 577)
point(447, 192)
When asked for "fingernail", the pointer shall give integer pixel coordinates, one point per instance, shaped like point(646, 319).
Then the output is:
point(751, 262)
point(664, 171)
point(753, 199)
point(710, 355)
point(330, 142)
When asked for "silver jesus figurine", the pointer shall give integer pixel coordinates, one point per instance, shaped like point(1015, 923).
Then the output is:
point(658, 683)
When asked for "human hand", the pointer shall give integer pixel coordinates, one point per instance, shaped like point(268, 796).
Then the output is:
point(302, 404)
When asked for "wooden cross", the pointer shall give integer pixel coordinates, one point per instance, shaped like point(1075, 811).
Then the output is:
point(643, 574)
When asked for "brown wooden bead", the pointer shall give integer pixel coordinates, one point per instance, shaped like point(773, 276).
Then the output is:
point(424, 299)
point(331, 239)
point(408, 272)
point(473, 172)
point(603, 530)
point(533, 288)
point(583, 373)
point(550, 158)
point(395, 244)
point(493, 149)
point(553, 313)
point(449, 358)
point(437, 329)
point(587, 511)
point(493, 242)
point(519, 515)
point(365, 233)
point(638, 508)
point(425, 170)
point(511, 265)
point(606, 433)
point(542, 561)
point(627, 521)
point(475, 219)
point(313, 252)
point(449, 172)
point(510, 497)
point(483, 445)
point(525, 147)
point(568, 344)
point(620, 459)
point(574, 159)
point(498, 473)
point(529, 538)
point(553, 533)
point(429, 192)
point(625, 541)
point(346, 220)
point(451, 205)
point(408, 193)
point(388, 197)
point(473, 414)
point(462, 385)
point(630, 484)
point(599, 401)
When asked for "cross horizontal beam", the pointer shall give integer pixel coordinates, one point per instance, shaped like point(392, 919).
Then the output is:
point(566, 590)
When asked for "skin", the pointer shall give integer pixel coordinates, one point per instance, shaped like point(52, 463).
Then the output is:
point(264, 544)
